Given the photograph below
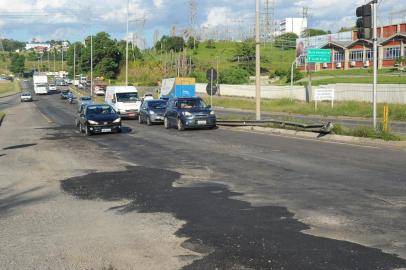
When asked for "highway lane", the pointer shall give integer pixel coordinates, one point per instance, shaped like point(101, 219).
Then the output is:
point(331, 191)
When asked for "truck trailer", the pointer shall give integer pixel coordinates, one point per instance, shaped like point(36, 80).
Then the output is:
point(40, 84)
point(178, 87)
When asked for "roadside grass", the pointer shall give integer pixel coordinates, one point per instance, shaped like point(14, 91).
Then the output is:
point(382, 79)
point(366, 132)
point(397, 112)
point(9, 87)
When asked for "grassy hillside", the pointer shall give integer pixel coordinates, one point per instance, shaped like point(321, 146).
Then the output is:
point(156, 66)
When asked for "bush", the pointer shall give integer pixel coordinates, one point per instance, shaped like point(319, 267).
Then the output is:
point(234, 76)
point(211, 44)
point(199, 76)
point(280, 73)
point(297, 74)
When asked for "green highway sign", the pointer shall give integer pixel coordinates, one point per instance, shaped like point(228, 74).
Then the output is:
point(318, 56)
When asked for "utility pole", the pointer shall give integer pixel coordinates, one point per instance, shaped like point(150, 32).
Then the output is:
point(374, 13)
point(62, 56)
point(126, 48)
point(258, 63)
point(74, 64)
point(54, 59)
point(192, 20)
point(91, 65)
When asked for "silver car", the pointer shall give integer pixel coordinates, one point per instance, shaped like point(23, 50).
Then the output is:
point(26, 96)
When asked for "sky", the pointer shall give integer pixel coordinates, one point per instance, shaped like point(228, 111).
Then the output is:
point(75, 19)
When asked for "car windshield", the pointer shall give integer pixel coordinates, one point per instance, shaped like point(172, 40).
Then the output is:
point(191, 103)
point(26, 94)
point(157, 104)
point(85, 98)
point(99, 109)
point(127, 97)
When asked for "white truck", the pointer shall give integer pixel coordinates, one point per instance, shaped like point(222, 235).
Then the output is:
point(40, 84)
point(124, 100)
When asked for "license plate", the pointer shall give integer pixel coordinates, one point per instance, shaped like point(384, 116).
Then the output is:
point(131, 114)
point(201, 122)
point(105, 130)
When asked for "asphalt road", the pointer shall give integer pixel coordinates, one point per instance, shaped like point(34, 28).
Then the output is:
point(253, 201)
point(396, 126)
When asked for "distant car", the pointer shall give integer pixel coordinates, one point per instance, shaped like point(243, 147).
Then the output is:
point(187, 113)
point(26, 96)
point(65, 94)
point(147, 97)
point(52, 87)
point(99, 118)
point(152, 111)
point(85, 100)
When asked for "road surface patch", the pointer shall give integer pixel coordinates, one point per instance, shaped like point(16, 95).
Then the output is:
point(230, 232)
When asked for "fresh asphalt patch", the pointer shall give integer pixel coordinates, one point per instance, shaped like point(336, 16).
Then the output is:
point(232, 234)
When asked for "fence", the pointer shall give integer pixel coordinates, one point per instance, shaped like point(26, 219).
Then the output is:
point(386, 93)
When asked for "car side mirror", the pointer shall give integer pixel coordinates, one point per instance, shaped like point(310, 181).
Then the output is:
point(209, 107)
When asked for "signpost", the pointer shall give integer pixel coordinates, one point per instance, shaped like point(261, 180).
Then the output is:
point(324, 94)
point(318, 56)
point(211, 76)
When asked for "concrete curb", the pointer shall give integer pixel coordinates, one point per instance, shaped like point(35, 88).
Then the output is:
point(326, 137)
point(10, 95)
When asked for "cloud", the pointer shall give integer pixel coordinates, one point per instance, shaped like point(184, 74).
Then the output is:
point(24, 19)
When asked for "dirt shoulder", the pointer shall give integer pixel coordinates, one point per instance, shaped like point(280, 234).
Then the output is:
point(45, 228)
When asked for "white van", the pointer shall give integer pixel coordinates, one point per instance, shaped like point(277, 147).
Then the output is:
point(124, 99)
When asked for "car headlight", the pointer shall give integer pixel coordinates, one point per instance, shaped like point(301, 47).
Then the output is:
point(92, 122)
point(151, 112)
point(212, 113)
point(117, 120)
point(187, 114)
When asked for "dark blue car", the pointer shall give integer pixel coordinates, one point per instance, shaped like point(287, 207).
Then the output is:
point(184, 113)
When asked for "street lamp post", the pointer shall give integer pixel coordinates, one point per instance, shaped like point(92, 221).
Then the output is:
point(126, 46)
point(258, 63)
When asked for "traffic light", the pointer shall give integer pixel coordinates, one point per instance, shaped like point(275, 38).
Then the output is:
point(364, 21)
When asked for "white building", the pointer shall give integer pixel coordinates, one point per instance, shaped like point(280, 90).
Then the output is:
point(38, 46)
point(293, 25)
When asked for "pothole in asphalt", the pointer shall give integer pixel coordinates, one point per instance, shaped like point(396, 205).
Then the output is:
point(230, 232)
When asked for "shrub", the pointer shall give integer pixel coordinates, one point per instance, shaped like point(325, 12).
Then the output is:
point(234, 76)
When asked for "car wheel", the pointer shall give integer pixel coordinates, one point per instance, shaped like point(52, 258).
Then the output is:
point(166, 122)
point(149, 121)
point(180, 125)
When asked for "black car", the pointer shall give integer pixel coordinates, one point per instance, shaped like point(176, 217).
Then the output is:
point(189, 113)
point(152, 111)
point(99, 118)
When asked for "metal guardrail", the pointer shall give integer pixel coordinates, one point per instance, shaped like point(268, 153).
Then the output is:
point(323, 128)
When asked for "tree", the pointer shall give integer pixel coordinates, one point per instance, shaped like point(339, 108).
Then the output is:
point(286, 41)
point(192, 43)
point(345, 29)
point(245, 55)
point(311, 32)
point(17, 64)
point(167, 44)
point(210, 44)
